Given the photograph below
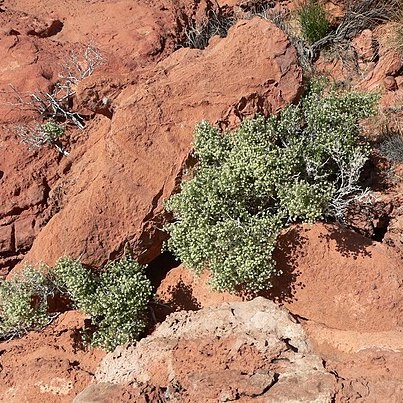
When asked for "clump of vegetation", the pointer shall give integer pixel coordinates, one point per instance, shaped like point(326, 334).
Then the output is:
point(199, 34)
point(51, 131)
point(24, 302)
point(115, 298)
point(46, 134)
point(391, 145)
point(313, 21)
point(303, 164)
point(316, 33)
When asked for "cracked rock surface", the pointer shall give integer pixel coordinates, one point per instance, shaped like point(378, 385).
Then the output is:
point(238, 351)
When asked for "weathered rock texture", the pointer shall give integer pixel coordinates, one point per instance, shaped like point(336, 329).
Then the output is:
point(36, 39)
point(182, 289)
point(369, 365)
point(47, 366)
point(347, 292)
point(240, 351)
point(26, 202)
point(120, 177)
point(342, 279)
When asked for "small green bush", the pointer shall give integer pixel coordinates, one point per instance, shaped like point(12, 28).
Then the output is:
point(74, 280)
point(23, 302)
point(116, 299)
point(41, 135)
point(313, 21)
point(51, 131)
point(301, 165)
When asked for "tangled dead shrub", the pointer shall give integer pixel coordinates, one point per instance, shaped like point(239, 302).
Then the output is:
point(317, 34)
point(54, 108)
point(198, 34)
point(40, 135)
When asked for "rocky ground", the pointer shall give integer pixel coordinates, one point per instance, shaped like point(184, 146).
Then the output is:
point(338, 333)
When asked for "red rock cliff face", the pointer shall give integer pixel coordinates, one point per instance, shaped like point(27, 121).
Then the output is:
point(36, 39)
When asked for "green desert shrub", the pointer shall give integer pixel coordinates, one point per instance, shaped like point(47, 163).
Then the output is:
point(75, 280)
point(115, 299)
point(313, 21)
point(52, 131)
point(303, 164)
point(23, 302)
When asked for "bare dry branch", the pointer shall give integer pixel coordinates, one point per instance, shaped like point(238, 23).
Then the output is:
point(40, 135)
point(364, 14)
point(56, 104)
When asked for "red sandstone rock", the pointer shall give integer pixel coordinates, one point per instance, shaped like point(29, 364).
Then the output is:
point(181, 289)
point(6, 238)
point(388, 65)
point(24, 233)
point(369, 364)
point(335, 11)
point(351, 284)
point(394, 234)
point(35, 43)
point(390, 83)
point(363, 44)
point(347, 289)
point(47, 366)
point(331, 276)
point(250, 351)
point(25, 180)
point(131, 164)
point(343, 280)
point(124, 29)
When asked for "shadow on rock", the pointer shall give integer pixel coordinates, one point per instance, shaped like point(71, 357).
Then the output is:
point(348, 243)
point(181, 298)
point(292, 248)
point(288, 251)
